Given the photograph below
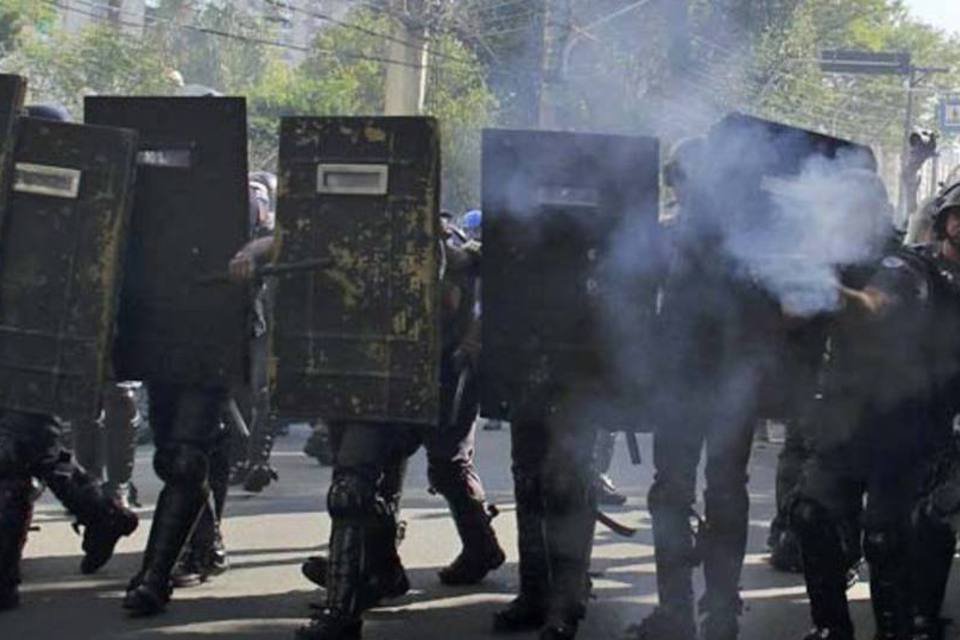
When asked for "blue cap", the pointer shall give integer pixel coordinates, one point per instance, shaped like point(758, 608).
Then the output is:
point(472, 220)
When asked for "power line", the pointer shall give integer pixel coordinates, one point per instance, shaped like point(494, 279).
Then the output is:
point(233, 36)
point(365, 30)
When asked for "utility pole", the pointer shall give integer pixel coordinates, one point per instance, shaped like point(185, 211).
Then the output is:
point(406, 78)
point(678, 24)
point(556, 21)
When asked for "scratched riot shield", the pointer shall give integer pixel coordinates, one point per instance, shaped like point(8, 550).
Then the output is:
point(190, 216)
point(61, 251)
point(358, 341)
point(556, 208)
point(12, 91)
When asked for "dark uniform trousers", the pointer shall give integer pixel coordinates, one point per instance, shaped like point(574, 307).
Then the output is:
point(717, 415)
point(909, 556)
point(363, 500)
point(718, 338)
point(186, 426)
point(556, 496)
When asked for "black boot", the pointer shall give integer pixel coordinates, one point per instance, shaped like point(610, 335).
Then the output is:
point(340, 618)
point(15, 510)
point(481, 550)
point(177, 510)
point(528, 611)
point(211, 548)
point(259, 472)
point(384, 577)
point(104, 521)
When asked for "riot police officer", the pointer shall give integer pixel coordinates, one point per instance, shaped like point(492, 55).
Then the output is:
point(206, 554)
point(877, 434)
point(254, 470)
point(715, 335)
point(370, 460)
point(30, 449)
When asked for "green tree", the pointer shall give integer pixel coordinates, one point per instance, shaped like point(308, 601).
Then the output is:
point(16, 16)
point(344, 74)
point(236, 52)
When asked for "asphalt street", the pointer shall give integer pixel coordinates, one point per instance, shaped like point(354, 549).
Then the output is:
point(264, 596)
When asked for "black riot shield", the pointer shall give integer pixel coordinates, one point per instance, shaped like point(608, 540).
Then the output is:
point(557, 209)
point(12, 92)
point(748, 152)
point(754, 161)
point(358, 341)
point(190, 216)
point(61, 249)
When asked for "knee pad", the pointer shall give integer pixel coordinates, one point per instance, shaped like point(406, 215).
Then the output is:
point(352, 496)
point(883, 546)
point(183, 464)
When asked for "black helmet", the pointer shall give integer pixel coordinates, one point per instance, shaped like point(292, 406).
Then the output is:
point(947, 201)
point(48, 112)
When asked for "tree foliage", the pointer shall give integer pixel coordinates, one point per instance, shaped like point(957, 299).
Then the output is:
point(234, 52)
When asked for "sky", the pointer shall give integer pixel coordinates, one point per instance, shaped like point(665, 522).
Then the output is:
point(944, 14)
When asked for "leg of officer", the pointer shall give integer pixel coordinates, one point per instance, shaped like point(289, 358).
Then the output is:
point(185, 420)
point(15, 512)
point(827, 501)
point(570, 507)
point(120, 417)
point(356, 507)
point(452, 473)
point(528, 610)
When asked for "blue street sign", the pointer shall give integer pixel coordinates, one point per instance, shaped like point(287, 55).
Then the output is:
point(950, 114)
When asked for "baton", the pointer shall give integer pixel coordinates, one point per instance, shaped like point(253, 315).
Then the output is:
point(458, 396)
point(237, 418)
point(634, 448)
point(457, 231)
point(613, 525)
point(278, 269)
